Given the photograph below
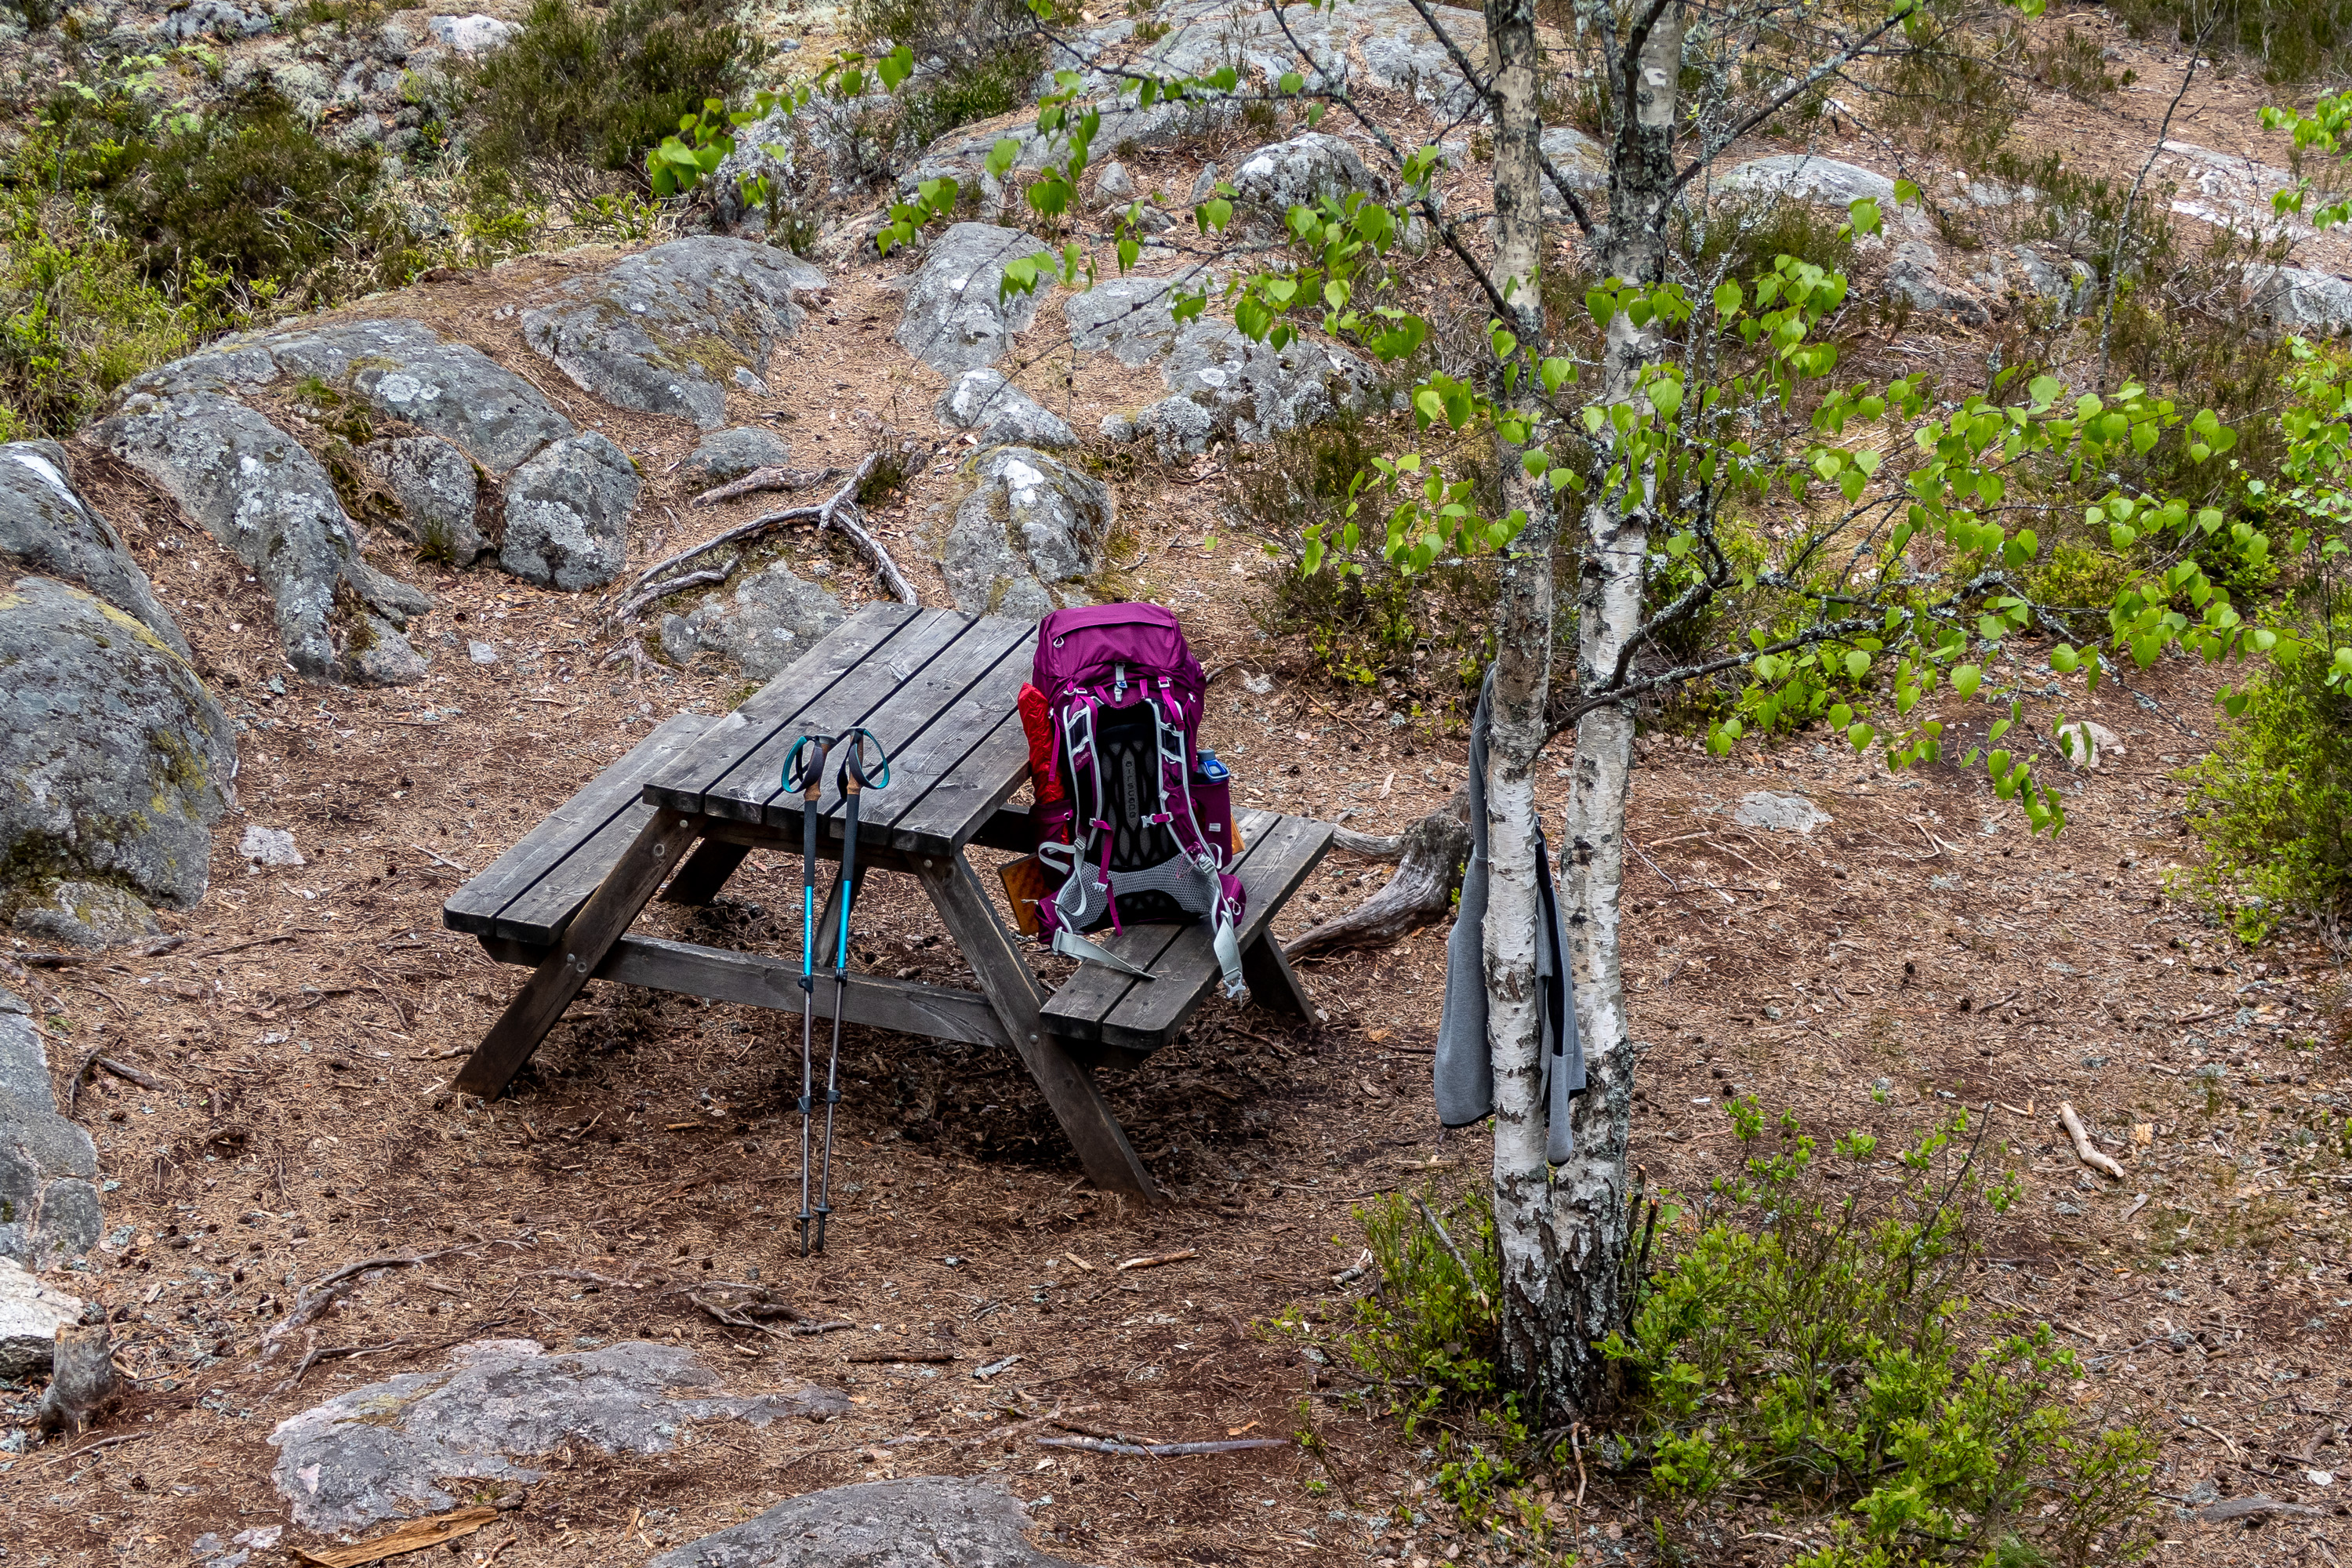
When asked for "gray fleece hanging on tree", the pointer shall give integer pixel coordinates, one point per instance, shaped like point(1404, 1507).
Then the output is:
point(1465, 1069)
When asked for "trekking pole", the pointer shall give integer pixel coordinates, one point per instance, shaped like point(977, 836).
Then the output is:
point(805, 777)
point(852, 781)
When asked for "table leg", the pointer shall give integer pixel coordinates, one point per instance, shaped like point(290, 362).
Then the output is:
point(626, 889)
point(704, 872)
point(1013, 991)
point(1272, 982)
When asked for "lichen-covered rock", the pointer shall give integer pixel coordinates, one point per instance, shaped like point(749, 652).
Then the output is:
point(955, 318)
point(1915, 274)
point(471, 34)
point(1026, 538)
point(255, 489)
point(763, 622)
point(1002, 413)
point(381, 1451)
point(31, 1313)
point(437, 491)
point(2300, 300)
point(398, 367)
point(1132, 317)
point(46, 527)
point(1224, 385)
point(49, 1166)
point(117, 761)
point(71, 913)
point(567, 514)
point(211, 19)
point(730, 454)
point(2022, 271)
point(1309, 168)
point(1581, 161)
point(663, 332)
point(1805, 176)
point(1778, 812)
point(920, 1522)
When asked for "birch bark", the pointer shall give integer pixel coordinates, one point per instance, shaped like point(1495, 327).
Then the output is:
point(1563, 1234)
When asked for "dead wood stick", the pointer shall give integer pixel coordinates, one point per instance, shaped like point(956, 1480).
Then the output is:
point(2247, 1507)
point(823, 1328)
point(760, 479)
point(819, 514)
point(1445, 1241)
point(325, 1292)
point(588, 1277)
point(1163, 1450)
point(1104, 1433)
point(335, 1353)
point(668, 585)
point(2084, 1150)
point(441, 860)
point(1153, 1262)
point(94, 1448)
point(125, 1071)
point(931, 1358)
point(1429, 868)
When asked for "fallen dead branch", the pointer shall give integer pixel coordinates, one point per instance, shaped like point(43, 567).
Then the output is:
point(1153, 1262)
point(760, 479)
point(1163, 1450)
point(126, 1072)
point(2084, 1150)
point(325, 1292)
point(823, 1328)
point(312, 1357)
point(926, 1358)
point(1429, 858)
point(1104, 1433)
point(2248, 1506)
point(838, 510)
point(412, 1536)
point(94, 1448)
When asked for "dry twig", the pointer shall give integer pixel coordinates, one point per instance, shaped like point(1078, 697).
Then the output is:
point(2084, 1150)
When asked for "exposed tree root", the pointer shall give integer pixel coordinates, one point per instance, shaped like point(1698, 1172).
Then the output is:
point(1430, 857)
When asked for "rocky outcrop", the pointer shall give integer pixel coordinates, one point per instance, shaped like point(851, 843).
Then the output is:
point(762, 624)
point(1224, 386)
point(922, 1522)
point(1805, 176)
point(955, 319)
point(399, 368)
point(1915, 275)
point(567, 514)
point(1581, 161)
point(383, 1450)
point(1002, 413)
point(731, 454)
point(664, 332)
point(72, 912)
point(117, 760)
point(1308, 169)
point(2023, 272)
point(438, 493)
point(1026, 538)
point(47, 528)
point(2300, 300)
point(31, 1313)
point(48, 1169)
point(1131, 317)
point(259, 492)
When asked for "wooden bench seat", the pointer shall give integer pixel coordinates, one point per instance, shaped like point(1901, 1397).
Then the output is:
point(1104, 1015)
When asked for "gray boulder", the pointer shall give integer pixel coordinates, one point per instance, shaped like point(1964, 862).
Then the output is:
point(954, 320)
point(1225, 386)
point(1400, 52)
point(381, 1451)
point(1131, 317)
point(2022, 271)
point(922, 1522)
point(49, 1166)
point(731, 454)
point(2300, 300)
point(1115, 183)
point(767, 621)
point(1026, 538)
point(471, 34)
point(73, 913)
point(1915, 274)
point(664, 332)
point(31, 1313)
point(399, 368)
point(1309, 168)
point(1002, 413)
point(119, 761)
point(1804, 176)
point(47, 528)
point(437, 491)
point(1779, 812)
point(257, 490)
point(1581, 161)
point(211, 19)
point(567, 514)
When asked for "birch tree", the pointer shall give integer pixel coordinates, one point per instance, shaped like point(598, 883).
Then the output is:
point(1702, 450)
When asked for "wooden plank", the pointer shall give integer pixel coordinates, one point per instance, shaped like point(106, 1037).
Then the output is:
point(1273, 982)
point(1007, 827)
point(1013, 991)
point(942, 1012)
point(781, 705)
point(948, 815)
point(625, 892)
point(704, 872)
point(569, 853)
point(928, 724)
point(1096, 1005)
point(742, 789)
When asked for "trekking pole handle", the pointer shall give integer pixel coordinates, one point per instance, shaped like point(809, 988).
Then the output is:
point(853, 776)
point(802, 774)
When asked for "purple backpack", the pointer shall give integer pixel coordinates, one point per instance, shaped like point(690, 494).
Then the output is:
point(1142, 829)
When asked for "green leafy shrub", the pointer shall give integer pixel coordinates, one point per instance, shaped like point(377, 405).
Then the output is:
point(77, 318)
point(2272, 802)
point(2294, 40)
point(578, 96)
point(1807, 1345)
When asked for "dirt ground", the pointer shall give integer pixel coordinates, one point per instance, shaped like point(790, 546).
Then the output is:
point(1916, 955)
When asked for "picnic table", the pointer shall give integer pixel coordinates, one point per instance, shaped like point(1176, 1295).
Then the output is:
point(677, 815)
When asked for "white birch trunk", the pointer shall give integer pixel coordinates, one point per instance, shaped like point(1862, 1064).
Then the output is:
point(1563, 1234)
